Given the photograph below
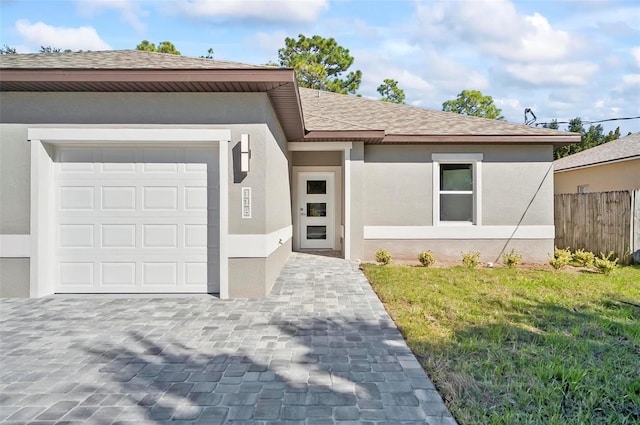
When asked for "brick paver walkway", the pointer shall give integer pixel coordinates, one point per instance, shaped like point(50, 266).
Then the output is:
point(320, 349)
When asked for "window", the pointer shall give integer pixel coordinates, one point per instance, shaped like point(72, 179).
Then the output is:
point(583, 188)
point(456, 188)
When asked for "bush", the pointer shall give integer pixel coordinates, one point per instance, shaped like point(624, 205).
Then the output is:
point(604, 264)
point(426, 258)
point(471, 259)
point(383, 257)
point(511, 259)
point(584, 258)
point(561, 257)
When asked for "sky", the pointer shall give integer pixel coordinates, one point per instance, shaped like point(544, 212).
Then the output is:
point(560, 58)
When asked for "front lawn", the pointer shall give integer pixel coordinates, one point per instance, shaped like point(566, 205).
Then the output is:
point(516, 346)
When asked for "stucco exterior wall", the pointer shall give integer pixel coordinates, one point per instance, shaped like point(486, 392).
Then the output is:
point(326, 158)
point(517, 184)
point(249, 113)
point(254, 277)
point(450, 250)
point(14, 277)
point(623, 175)
point(358, 206)
point(516, 191)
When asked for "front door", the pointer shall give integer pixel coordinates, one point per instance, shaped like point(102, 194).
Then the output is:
point(316, 209)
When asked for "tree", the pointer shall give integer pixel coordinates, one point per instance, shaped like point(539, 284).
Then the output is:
point(590, 138)
point(209, 54)
point(8, 50)
point(553, 125)
point(320, 63)
point(163, 47)
point(390, 91)
point(49, 49)
point(472, 102)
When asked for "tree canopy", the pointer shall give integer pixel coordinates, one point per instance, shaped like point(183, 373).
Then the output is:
point(320, 63)
point(589, 138)
point(473, 102)
point(390, 91)
point(8, 50)
point(162, 47)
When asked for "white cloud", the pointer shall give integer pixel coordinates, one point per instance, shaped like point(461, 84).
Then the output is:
point(41, 34)
point(399, 47)
point(569, 73)
point(268, 42)
point(129, 10)
point(631, 80)
point(268, 11)
point(496, 27)
point(635, 54)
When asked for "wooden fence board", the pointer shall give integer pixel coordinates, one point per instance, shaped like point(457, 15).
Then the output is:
point(596, 222)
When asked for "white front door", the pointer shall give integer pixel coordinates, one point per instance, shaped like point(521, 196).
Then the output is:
point(316, 209)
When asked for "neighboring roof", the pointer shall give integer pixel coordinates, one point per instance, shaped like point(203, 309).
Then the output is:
point(326, 113)
point(116, 59)
point(305, 114)
point(623, 149)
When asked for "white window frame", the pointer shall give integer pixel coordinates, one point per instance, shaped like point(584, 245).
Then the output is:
point(475, 159)
point(583, 188)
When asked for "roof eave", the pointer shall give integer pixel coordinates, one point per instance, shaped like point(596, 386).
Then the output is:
point(279, 83)
point(369, 136)
point(544, 139)
point(146, 75)
point(596, 164)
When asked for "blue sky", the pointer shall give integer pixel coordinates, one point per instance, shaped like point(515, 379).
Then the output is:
point(561, 58)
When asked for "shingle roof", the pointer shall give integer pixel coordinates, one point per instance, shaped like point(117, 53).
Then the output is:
point(327, 111)
point(621, 149)
point(327, 116)
point(115, 59)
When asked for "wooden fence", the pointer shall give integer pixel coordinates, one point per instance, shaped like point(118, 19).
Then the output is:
point(599, 222)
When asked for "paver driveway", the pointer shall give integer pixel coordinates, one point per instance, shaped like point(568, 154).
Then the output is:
point(319, 350)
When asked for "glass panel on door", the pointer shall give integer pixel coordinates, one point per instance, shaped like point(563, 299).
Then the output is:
point(316, 232)
point(316, 209)
point(316, 187)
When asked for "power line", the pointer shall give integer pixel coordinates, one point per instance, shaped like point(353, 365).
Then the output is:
point(589, 122)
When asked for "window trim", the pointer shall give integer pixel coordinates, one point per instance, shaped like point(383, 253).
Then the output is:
point(475, 159)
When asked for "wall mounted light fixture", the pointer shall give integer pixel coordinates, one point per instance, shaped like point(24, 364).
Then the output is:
point(244, 153)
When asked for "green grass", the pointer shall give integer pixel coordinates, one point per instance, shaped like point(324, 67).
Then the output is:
point(516, 346)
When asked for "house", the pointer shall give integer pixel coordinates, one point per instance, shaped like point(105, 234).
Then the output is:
point(611, 166)
point(129, 172)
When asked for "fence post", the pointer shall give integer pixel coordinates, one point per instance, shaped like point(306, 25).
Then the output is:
point(635, 226)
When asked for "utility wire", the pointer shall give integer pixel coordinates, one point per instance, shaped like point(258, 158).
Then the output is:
point(589, 122)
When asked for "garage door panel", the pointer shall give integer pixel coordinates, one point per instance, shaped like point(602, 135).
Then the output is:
point(160, 236)
point(133, 226)
point(160, 198)
point(118, 198)
point(76, 236)
point(118, 236)
point(159, 273)
point(76, 198)
point(76, 273)
point(118, 273)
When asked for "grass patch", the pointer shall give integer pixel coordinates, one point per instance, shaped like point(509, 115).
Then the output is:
point(515, 346)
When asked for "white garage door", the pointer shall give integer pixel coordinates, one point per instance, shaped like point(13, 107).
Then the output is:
point(136, 220)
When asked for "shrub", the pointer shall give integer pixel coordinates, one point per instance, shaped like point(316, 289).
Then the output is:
point(383, 257)
point(471, 259)
point(426, 258)
point(584, 258)
point(561, 258)
point(604, 264)
point(511, 259)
